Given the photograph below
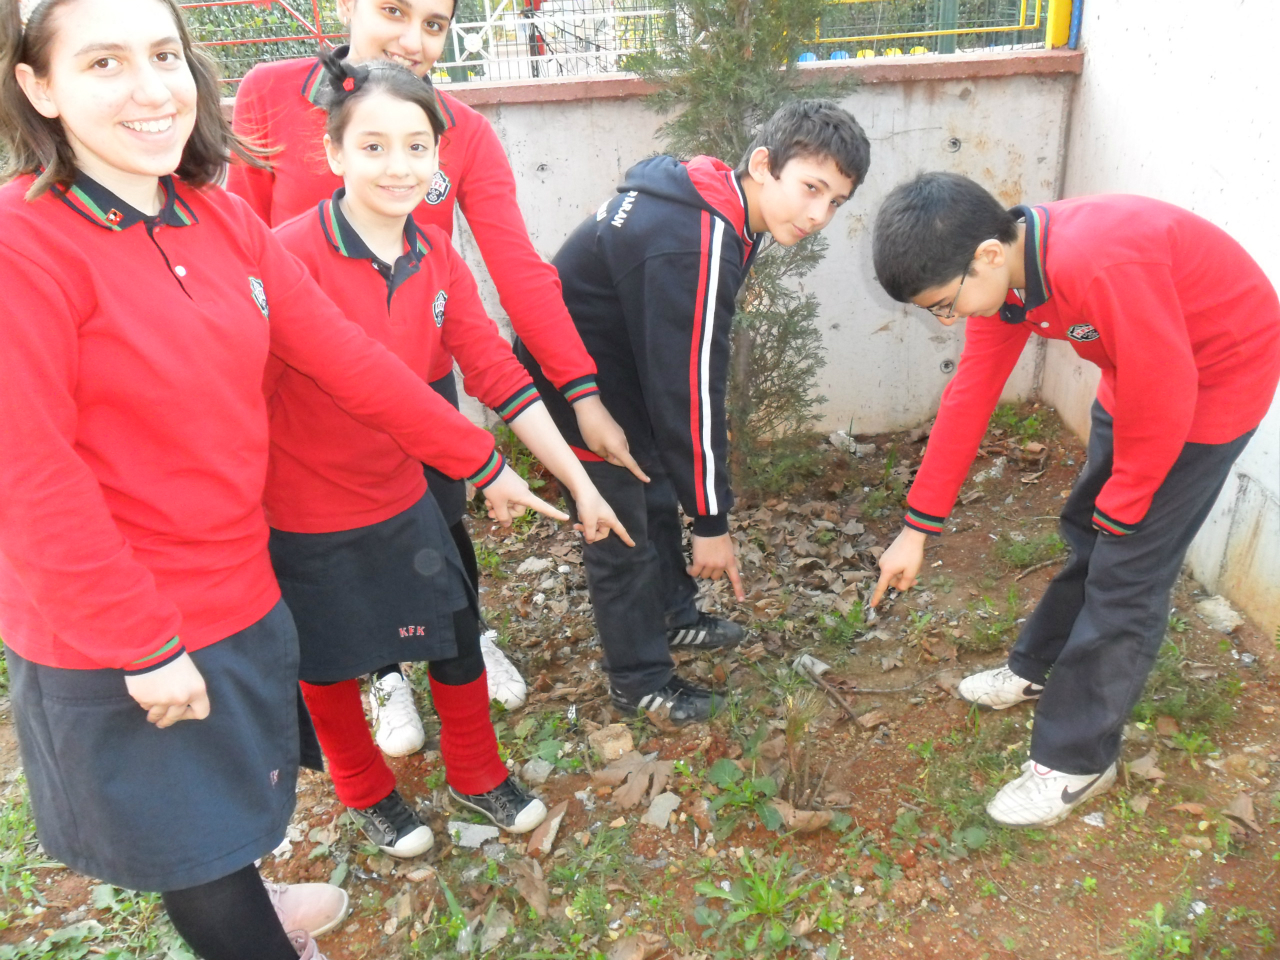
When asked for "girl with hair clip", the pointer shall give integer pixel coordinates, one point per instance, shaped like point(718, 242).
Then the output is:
point(277, 106)
point(153, 667)
point(361, 549)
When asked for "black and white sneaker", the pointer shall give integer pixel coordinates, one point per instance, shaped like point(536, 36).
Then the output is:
point(708, 633)
point(684, 702)
point(394, 827)
point(509, 805)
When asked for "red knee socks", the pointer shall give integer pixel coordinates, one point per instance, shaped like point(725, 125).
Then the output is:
point(467, 741)
point(361, 776)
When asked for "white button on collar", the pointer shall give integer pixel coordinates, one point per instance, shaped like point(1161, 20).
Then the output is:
point(1044, 323)
point(180, 270)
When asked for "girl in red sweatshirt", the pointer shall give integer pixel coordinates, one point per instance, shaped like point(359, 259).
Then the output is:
point(153, 666)
point(361, 549)
point(277, 105)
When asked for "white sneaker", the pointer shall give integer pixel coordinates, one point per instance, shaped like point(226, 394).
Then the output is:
point(505, 683)
point(998, 689)
point(397, 728)
point(315, 908)
point(1042, 797)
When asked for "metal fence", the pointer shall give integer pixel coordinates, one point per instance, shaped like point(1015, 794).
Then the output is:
point(513, 39)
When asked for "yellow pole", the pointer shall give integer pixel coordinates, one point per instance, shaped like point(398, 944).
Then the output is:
point(1059, 26)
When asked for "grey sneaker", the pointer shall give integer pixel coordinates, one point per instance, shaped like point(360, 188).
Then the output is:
point(509, 805)
point(707, 634)
point(394, 827)
point(685, 702)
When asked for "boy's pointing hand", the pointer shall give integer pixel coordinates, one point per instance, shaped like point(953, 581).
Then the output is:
point(713, 558)
point(900, 564)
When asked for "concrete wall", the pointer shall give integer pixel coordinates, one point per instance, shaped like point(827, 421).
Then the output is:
point(1165, 110)
point(998, 117)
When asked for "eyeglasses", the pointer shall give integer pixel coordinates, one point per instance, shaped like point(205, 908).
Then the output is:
point(951, 307)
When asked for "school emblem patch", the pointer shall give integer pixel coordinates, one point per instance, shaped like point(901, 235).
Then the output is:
point(259, 295)
point(437, 307)
point(439, 188)
point(1083, 332)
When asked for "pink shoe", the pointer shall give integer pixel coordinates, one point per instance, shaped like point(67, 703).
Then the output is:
point(306, 947)
point(313, 908)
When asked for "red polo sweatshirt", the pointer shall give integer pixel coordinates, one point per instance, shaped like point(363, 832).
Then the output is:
point(276, 105)
point(328, 471)
point(134, 426)
point(1183, 323)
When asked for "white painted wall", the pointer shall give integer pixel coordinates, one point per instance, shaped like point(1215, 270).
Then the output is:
point(883, 370)
point(1164, 109)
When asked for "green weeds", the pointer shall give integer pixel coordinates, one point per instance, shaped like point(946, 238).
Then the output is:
point(760, 906)
point(1017, 554)
point(993, 628)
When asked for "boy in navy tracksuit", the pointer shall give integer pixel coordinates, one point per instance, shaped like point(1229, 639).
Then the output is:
point(1186, 329)
point(650, 282)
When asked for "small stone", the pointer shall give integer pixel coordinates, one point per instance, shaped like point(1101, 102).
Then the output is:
point(472, 835)
point(536, 771)
point(611, 742)
point(494, 851)
point(1218, 613)
point(660, 810)
point(543, 838)
point(700, 810)
point(533, 565)
point(1139, 804)
point(1095, 819)
point(1203, 844)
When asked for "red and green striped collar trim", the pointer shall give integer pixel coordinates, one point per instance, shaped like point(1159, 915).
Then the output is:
point(1034, 247)
point(346, 241)
point(100, 206)
point(313, 85)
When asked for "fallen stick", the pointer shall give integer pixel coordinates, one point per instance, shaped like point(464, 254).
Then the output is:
point(834, 694)
point(1037, 566)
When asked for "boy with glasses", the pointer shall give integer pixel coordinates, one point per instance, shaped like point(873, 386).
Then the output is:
point(1186, 329)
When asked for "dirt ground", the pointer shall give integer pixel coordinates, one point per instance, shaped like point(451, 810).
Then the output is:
point(798, 830)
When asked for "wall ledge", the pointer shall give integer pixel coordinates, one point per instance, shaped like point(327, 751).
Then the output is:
point(628, 86)
point(929, 66)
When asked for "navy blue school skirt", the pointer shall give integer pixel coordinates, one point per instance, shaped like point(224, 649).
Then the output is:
point(379, 594)
point(450, 494)
point(148, 809)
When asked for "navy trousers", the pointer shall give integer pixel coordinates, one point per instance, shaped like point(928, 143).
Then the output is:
point(1094, 636)
point(640, 592)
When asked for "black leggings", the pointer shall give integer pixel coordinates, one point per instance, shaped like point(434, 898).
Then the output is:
point(469, 663)
point(230, 919)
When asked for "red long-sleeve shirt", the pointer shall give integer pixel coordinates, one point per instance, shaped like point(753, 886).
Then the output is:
point(328, 471)
point(276, 106)
point(133, 423)
point(1183, 323)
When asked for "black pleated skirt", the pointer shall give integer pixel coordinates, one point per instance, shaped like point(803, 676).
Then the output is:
point(148, 809)
point(379, 594)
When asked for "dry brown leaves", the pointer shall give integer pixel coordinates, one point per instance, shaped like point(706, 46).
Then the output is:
point(632, 776)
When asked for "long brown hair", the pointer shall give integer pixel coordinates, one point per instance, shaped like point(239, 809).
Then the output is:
point(33, 143)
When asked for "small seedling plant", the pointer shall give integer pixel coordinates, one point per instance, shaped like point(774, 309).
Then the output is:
point(741, 794)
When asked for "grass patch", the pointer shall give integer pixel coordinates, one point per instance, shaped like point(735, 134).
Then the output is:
point(1204, 704)
point(1017, 552)
point(1010, 420)
point(992, 628)
point(963, 770)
